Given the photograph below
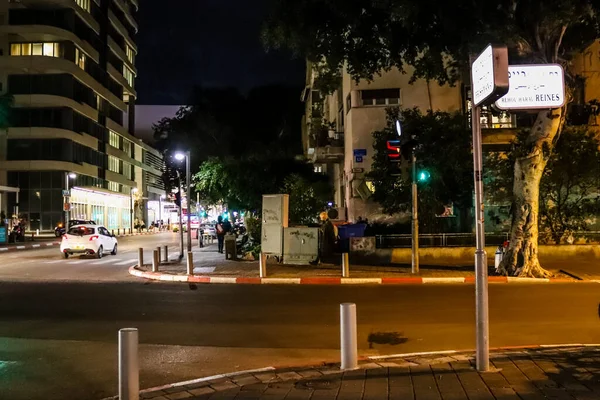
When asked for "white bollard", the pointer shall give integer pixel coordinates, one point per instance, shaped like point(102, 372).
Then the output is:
point(159, 252)
point(140, 257)
point(37, 232)
point(166, 254)
point(190, 263)
point(262, 265)
point(129, 368)
point(345, 266)
point(348, 341)
point(155, 261)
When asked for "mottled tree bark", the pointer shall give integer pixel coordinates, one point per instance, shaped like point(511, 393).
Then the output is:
point(521, 258)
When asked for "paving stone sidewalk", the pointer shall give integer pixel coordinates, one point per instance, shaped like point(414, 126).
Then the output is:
point(558, 373)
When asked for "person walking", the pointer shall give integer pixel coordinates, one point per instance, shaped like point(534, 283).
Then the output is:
point(220, 229)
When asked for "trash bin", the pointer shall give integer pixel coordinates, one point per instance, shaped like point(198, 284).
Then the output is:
point(345, 232)
point(230, 247)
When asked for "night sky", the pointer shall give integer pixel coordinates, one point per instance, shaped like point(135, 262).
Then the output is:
point(213, 43)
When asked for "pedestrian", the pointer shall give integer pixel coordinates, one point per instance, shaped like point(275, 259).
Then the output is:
point(220, 229)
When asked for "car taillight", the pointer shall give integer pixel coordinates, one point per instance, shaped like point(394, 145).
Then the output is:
point(93, 237)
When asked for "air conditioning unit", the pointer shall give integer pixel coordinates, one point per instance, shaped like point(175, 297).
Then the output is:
point(337, 214)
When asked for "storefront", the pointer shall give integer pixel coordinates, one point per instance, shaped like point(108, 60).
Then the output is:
point(104, 208)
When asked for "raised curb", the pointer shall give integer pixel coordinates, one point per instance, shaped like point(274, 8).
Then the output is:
point(216, 383)
point(167, 277)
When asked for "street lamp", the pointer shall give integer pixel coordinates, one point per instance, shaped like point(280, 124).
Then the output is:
point(160, 199)
point(415, 208)
point(180, 156)
point(133, 191)
point(67, 206)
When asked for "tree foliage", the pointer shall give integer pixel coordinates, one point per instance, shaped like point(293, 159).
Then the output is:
point(442, 148)
point(569, 187)
point(241, 183)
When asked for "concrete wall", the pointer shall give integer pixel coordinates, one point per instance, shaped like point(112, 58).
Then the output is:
point(363, 251)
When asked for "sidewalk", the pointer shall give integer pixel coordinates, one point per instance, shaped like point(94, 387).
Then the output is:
point(211, 267)
point(537, 373)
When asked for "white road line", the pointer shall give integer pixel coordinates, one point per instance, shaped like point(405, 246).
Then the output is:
point(131, 261)
point(76, 262)
point(106, 261)
point(53, 262)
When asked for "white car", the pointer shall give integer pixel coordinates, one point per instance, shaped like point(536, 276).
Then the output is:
point(88, 239)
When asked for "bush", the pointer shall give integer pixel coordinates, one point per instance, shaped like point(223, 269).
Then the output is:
point(253, 226)
point(175, 229)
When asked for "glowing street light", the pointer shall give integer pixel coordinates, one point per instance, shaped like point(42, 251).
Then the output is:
point(67, 205)
point(180, 156)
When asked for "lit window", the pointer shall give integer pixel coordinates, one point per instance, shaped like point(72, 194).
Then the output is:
point(113, 164)
point(127, 170)
point(85, 4)
point(130, 54)
point(114, 186)
point(125, 97)
point(80, 58)
point(128, 74)
point(127, 147)
point(113, 139)
point(50, 49)
point(380, 97)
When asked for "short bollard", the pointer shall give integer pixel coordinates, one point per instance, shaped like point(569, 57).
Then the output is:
point(155, 261)
point(112, 232)
point(159, 251)
point(129, 368)
point(262, 265)
point(190, 263)
point(140, 257)
point(166, 254)
point(348, 341)
point(345, 266)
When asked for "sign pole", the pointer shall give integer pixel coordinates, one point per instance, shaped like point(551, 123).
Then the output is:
point(415, 217)
point(481, 274)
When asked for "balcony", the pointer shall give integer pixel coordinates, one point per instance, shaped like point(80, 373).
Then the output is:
point(324, 149)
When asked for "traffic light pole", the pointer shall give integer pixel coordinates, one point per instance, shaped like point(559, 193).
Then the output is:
point(415, 217)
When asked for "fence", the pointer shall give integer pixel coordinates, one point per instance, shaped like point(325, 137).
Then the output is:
point(468, 239)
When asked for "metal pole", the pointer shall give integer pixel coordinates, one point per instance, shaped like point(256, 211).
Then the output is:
point(190, 263)
point(140, 257)
point(160, 207)
point(66, 201)
point(189, 201)
point(262, 265)
point(155, 261)
point(129, 368)
point(159, 255)
point(131, 213)
point(415, 217)
point(348, 341)
point(345, 266)
point(481, 278)
point(166, 259)
point(180, 219)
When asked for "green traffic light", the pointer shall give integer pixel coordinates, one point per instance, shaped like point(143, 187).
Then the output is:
point(424, 176)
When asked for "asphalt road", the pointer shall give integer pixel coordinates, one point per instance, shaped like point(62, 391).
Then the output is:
point(58, 339)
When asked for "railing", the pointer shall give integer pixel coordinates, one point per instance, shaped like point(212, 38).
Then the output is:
point(468, 239)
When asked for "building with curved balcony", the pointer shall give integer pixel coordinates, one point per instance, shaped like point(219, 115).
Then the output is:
point(70, 67)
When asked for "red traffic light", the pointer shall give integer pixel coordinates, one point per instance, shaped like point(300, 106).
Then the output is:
point(393, 150)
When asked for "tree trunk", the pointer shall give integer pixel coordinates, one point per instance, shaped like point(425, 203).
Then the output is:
point(521, 258)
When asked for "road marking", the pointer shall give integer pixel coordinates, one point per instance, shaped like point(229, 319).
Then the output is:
point(127, 261)
point(20, 247)
point(76, 262)
point(102, 261)
point(54, 262)
point(35, 245)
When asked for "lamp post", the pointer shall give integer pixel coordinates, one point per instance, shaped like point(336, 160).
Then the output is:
point(415, 207)
point(180, 156)
point(133, 191)
point(160, 199)
point(68, 175)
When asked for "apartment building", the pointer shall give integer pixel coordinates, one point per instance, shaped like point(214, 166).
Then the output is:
point(70, 67)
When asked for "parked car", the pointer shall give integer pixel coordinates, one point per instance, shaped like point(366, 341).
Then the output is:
point(60, 229)
point(88, 239)
point(209, 229)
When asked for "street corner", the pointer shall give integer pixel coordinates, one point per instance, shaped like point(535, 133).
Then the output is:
point(164, 276)
point(377, 376)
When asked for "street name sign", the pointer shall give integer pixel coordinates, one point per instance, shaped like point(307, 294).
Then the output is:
point(489, 75)
point(534, 87)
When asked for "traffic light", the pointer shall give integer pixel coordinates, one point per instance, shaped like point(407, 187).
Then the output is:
point(393, 150)
point(423, 176)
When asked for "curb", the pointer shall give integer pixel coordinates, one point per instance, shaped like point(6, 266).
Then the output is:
point(271, 374)
point(166, 277)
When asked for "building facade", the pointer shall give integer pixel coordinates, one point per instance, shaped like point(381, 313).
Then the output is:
point(70, 67)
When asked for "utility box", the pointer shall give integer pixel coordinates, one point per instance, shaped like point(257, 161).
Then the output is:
point(300, 245)
point(275, 213)
point(230, 247)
